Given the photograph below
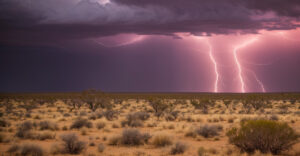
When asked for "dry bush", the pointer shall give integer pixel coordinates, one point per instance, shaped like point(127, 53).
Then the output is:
point(56, 149)
point(110, 115)
point(208, 131)
point(162, 140)
point(48, 125)
point(71, 144)
point(172, 116)
point(201, 151)
point(115, 140)
point(274, 117)
point(26, 150)
point(191, 133)
point(130, 137)
point(23, 129)
point(4, 123)
point(135, 119)
point(81, 122)
point(46, 135)
point(13, 149)
point(101, 148)
point(159, 107)
point(100, 125)
point(179, 148)
point(263, 135)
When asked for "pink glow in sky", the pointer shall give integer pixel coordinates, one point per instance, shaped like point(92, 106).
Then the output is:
point(235, 45)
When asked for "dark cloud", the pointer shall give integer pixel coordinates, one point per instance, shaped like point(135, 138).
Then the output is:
point(56, 20)
point(289, 8)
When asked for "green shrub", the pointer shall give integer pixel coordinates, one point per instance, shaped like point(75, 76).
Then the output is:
point(263, 135)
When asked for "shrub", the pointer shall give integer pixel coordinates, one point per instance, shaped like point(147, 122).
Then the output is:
point(46, 135)
point(48, 125)
point(133, 120)
point(142, 115)
point(28, 150)
point(115, 125)
point(132, 137)
point(111, 115)
point(263, 135)
point(115, 140)
point(24, 129)
point(159, 107)
point(161, 140)
point(71, 144)
point(100, 125)
point(65, 128)
point(13, 149)
point(80, 122)
point(179, 148)
point(201, 151)
point(274, 117)
point(4, 123)
point(208, 131)
point(191, 133)
point(101, 148)
point(56, 149)
point(2, 137)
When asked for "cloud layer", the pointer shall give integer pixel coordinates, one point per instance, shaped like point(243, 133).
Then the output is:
point(59, 20)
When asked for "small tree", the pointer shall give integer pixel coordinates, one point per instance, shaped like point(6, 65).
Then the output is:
point(95, 100)
point(159, 107)
point(227, 103)
point(202, 104)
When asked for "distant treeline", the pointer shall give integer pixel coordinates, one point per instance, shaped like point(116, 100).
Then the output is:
point(128, 95)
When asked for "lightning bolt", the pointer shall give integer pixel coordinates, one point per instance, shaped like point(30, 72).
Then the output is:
point(238, 64)
point(214, 62)
point(259, 82)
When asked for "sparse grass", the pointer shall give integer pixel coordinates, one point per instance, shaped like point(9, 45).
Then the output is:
point(162, 140)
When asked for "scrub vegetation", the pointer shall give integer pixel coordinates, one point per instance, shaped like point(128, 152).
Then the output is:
point(97, 123)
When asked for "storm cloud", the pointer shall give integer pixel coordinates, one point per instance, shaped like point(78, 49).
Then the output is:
point(59, 20)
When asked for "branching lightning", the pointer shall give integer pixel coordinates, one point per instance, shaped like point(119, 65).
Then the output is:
point(259, 82)
point(238, 64)
point(213, 60)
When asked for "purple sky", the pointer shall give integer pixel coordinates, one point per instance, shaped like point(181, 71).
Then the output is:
point(150, 45)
